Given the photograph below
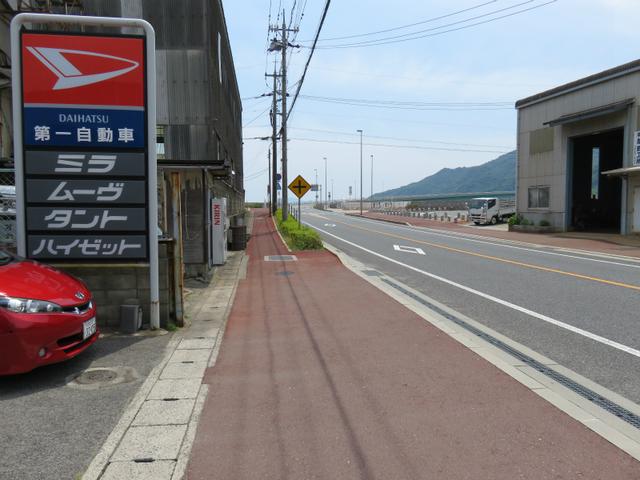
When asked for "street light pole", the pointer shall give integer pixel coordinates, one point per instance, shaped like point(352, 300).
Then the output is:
point(325, 183)
point(316, 172)
point(360, 132)
point(371, 179)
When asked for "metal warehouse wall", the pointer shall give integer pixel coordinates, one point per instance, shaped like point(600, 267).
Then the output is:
point(198, 97)
point(543, 151)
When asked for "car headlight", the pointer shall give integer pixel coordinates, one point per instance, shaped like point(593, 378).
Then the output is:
point(26, 305)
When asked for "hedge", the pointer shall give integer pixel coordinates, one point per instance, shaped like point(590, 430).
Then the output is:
point(298, 237)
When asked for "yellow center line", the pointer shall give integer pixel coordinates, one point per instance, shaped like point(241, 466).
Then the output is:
point(499, 259)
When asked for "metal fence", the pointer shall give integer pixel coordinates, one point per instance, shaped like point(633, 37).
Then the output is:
point(7, 209)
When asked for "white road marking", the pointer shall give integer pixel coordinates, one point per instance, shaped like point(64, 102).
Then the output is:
point(329, 224)
point(466, 237)
point(402, 248)
point(513, 306)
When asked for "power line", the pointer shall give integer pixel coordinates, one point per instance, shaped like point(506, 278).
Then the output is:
point(388, 145)
point(257, 117)
point(373, 43)
point(306, 67)
point(404, 139)
point(440, 27)
point(448, 108)
point(409, 25)
point(413, 103)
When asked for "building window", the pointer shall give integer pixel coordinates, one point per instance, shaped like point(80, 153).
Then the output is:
point(539, 197)
point(595, 173)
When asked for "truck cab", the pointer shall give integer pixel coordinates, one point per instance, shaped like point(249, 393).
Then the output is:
point(490, 210)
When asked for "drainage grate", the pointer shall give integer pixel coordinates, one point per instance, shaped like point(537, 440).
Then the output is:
point(372, 273)
point(604, 403)
point(280, 258)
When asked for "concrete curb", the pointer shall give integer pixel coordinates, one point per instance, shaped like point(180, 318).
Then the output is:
point(603, 423)
point(154, 436)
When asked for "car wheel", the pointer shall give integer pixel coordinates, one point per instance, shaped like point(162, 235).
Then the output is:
point(494, 220)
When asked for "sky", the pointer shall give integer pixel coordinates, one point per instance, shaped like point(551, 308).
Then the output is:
point(458, 85)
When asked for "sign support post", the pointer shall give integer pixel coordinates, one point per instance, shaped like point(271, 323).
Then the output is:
point(17, 24)
point(299, 187)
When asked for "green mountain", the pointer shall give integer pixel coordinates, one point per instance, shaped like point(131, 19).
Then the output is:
point(498, 175)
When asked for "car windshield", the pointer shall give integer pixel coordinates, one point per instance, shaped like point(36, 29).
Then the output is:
point(5, 258)
point(477, 203)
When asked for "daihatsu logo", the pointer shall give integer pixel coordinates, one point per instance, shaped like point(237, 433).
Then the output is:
point(68, 74)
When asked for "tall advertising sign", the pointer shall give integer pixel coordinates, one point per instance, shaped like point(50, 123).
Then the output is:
point(84, 144)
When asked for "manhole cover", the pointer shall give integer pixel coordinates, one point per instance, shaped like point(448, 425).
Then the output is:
point(280, 258)
point(96, 378)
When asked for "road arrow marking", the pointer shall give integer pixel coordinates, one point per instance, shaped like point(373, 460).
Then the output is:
point(402, 248)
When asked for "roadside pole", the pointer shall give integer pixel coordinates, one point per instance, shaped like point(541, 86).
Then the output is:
point(299, 187)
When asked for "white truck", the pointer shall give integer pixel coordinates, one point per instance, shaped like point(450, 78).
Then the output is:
point(485, 210)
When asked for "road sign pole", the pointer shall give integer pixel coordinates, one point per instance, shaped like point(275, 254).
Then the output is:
point(299, 221)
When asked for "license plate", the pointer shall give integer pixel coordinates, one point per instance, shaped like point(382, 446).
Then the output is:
point(88, 328)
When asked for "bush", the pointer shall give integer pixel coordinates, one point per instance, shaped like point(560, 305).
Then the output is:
point(544, 223)
point(524, 221)
point(298, 237)
point(515, 220)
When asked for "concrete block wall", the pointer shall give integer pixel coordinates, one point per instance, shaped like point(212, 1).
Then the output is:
point(112, 286)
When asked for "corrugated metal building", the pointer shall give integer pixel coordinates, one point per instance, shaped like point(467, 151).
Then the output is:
point(199, 114)
point(579, 153)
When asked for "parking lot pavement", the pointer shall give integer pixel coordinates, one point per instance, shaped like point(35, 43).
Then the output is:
point(51, 428)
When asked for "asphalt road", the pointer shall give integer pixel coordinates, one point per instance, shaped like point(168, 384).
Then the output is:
point(50, 430)
point(579, 309)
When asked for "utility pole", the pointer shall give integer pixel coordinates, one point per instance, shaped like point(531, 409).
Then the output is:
point(360, 132)
point(282, 45)
point(274, 142)
point(274, 146)
point(270, 185)
point(285, 192)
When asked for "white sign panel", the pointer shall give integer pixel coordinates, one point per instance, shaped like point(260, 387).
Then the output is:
point(636, 148)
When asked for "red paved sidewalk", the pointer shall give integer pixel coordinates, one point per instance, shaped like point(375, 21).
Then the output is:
point(610, 244)
point(323, 376)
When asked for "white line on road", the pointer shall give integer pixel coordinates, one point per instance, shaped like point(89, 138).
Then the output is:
point(466, 237)
point(405, 249)
point(513, 306)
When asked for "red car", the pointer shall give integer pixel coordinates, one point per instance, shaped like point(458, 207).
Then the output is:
point(46, 316)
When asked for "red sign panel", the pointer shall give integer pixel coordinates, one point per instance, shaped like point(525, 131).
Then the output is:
point(83, 70)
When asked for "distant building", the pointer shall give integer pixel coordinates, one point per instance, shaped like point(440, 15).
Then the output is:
point(579, 153)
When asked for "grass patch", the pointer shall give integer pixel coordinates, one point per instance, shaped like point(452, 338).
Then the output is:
point(171, 327)
point(297, 237)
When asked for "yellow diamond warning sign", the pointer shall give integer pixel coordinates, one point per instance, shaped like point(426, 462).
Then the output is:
point(299, 186)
